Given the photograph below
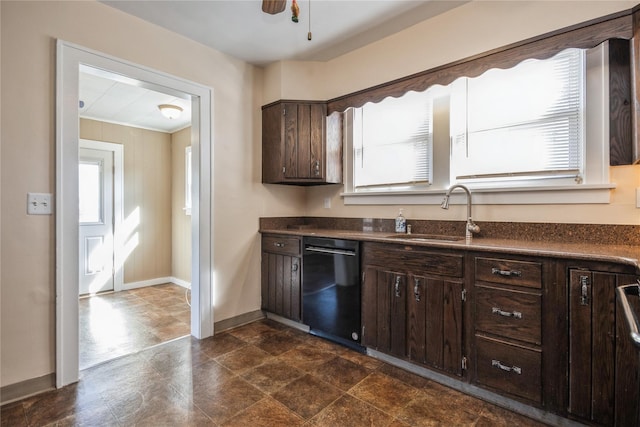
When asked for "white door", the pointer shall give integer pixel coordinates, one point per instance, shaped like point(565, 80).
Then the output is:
point(95, 179)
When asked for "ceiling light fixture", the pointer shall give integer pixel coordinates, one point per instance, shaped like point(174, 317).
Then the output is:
point(170, 111)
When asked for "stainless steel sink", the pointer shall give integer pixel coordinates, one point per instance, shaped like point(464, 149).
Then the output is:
point(426, 237)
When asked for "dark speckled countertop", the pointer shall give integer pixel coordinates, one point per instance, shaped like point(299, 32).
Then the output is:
point(604, 243)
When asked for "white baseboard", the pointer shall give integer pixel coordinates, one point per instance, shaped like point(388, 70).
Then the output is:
point(180, 282)
point(156, 281)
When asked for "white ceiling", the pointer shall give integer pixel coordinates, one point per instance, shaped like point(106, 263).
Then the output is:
point(110, 98)
point(239, 28)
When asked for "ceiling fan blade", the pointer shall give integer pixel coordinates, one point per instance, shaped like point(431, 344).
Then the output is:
point(273, 6)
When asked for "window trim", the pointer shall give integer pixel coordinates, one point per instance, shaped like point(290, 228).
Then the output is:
point(585, 194)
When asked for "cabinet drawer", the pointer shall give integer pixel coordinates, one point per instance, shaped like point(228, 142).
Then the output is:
point(286, 245)
point(508, 313)
point(411, 259)
point(510, 272)
point(513, 369)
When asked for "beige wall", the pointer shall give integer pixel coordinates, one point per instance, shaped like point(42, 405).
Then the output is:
point(468, 30)
point(27, 271)
point(147, 194)
point(180, 221)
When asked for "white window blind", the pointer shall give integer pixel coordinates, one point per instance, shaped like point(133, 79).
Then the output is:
point(521, 123)
point(392, 142)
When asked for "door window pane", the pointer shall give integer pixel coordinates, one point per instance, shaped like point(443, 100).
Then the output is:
point(90, 192)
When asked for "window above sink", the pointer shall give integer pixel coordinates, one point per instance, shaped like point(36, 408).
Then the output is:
point(545, 143)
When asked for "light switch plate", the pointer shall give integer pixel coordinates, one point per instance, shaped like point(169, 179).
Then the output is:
point(39, 203)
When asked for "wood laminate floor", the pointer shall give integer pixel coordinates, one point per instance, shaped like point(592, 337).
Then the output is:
point(119, 323)
point(260, 374)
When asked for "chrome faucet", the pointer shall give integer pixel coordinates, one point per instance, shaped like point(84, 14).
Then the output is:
point(471, 226)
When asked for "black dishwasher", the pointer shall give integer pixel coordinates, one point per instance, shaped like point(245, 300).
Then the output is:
point(331, 289)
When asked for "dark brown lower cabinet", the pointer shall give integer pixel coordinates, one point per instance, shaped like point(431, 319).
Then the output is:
point(507, 322)
point(281, 273)
point(409, 310)
point(591, 345)
point(602, 390)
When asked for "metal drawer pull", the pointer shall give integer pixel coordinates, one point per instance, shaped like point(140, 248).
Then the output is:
point(397, 286)
point(515, 314)
point(498, 364)
point(506, 273)
point(279, 244)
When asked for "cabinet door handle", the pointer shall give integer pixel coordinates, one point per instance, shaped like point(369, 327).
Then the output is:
point(397, 287)
point(514, 314)
point(584, 290)
point(294, 267)
point(316, 167)
point(506, 273)
point(497, 364)
point(416, 289)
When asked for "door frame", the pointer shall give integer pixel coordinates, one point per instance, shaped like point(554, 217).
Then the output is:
point(69, 58)
point(118, 204)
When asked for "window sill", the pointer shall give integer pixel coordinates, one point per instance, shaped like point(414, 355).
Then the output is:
point(583, 194)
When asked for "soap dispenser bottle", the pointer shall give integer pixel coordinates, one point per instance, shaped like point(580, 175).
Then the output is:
point(401, 223)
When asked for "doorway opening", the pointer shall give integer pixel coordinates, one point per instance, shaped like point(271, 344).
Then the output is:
point(70, 60)
point(134, 282)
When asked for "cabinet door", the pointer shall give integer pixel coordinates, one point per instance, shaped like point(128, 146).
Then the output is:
point(434, 323)
point(384, 311)
point(304, 139)
point(301, 145)
point(592, 345)
point(281, 285)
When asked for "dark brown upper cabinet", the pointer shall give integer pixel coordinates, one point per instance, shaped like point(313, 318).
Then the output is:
point(620, 134)
point(301, 145)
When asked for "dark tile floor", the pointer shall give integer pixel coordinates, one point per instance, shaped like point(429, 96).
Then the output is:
point(261, 374)
point(115, 324)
